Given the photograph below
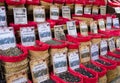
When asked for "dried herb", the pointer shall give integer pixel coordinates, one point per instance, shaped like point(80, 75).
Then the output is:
point(84, 72)
point(103, 62)
point(53, 42)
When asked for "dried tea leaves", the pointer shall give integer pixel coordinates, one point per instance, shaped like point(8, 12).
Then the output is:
point(103, 62)
point(53, 42)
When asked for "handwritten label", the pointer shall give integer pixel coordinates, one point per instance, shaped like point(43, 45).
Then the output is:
point(116, 23)
point(111, 44)
point(95, 10)
point(101, 23)
point(66, 13)
point(103, 47)
point(94, 52)
point(109, 23)
point(78, 9)
point(103, 10)
point(87, 10)
point(93, 27)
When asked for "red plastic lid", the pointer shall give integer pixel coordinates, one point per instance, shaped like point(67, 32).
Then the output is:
point(72, 45)
point(88, 2)
point(32, 2)
point(59, 1)
point(80, 2)
point(14, 2)
point(2, 1)
point(52, 23)
point(49, 1)
point(69, 1)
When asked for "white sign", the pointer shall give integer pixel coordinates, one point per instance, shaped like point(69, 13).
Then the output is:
point(54, 12)
point(103, 47)
point(74, 60)
point(116, 23)
point(94, 52)
point(59, 63)
point(71, 27)
point(20, 15)
point(3, 17)
point(109, 23)
point(44, 32)
point(27, 36)
point(66, 13)
point(7, 38)
point(78, 9)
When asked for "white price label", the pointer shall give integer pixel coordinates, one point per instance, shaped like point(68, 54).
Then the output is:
point(3, 17)
point(44, 32)
point(27, 36)
point(60, 63)
point(78, 9)
point(66, 13)
point(103, 47)
point(87, 10)
point(94, 52)
point(116, 23)
point(39, 14)
point(71, 27)
point(7, 38)
point(103, 10)
point(54, 13)
point(101, 23)
point(109, 23)
point(74, 60)
point(20, 15)
point(93, 27)
point(111, 44)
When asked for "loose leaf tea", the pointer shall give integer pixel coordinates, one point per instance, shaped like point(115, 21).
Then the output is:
point(92, 66)
point(11, 52)
point(53, 42)
point(84, 72)
point(112, 58)
point(68, 77)
point(104, 63)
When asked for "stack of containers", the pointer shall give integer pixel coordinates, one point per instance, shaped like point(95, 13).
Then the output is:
point(13, 3)
point(16, 67)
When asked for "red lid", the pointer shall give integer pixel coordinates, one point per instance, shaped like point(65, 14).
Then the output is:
point(59, 1)
point(52, 23)
point(79, 1)
point(14, 2)
point(49, 1)
point(2, 1)
point(32, 2)
point(69, 1)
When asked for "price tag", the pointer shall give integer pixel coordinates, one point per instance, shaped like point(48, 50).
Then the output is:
point(44, 32)
point(27, 36)
point(66, 12)
point(95, 10)
point(3, 17)
point(87, 10)
point(20, 15)
point(116, 23)
point(103, 47)
point(39, 70)
point(78, 9)
point(117, 9)
point(101, 23)
point(74, 60)
point(83, 28)
point(103, 10)
point(94, 52)
point(111, 44)
point(118, 43)
point(109, 23)
point(93, 27)
point(84, 54)
point(39, 14)
point(59, 32)
point(71, 27)
point(54, 12)
point(7, 38)
point(59, 63)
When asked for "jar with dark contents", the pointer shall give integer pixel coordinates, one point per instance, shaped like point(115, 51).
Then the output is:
point(68, 77)
point(103, 62)
point(84, 72)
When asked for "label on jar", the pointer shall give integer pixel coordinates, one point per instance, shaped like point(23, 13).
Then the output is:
point(94, 52)
point(54, 12)
point(39, 14)
point(103, 47)
point(83, 28)
point(44, 32)
point(59, 32)
point(20, 15)
point(27, 36)
point(71, 27)
point(20, 80)
point(118, 42)
point(95, 10)
point(101, 23)
point(39, 70)
point(117, 9)
point(59, 63)
point(66, 13)
point(111, 44)
point(84, 54)
point(116, 23)
point(7, 38)
point(87, 10)
point(109, 23)
point(103, 10)
point(74, 60)
point(93, 27)
point(78, 9)
point(3, 18)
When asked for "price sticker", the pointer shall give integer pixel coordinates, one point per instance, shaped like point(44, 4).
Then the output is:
point(78, 9)
point(83, 28)
point(95, 10)
point(66, 13)
point(20, 15)
point(101, 23)
point(94, 52)
point(116, 23)
point(39, 14)
point(93, 27)
point(27, 36)
point(103, 10)
point(7, 38)
point(111, 44)
point(103, 47)
point(71, 27)
point(109, 23)
point(44, 32)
